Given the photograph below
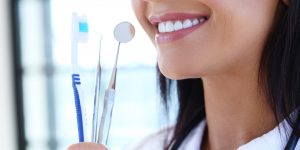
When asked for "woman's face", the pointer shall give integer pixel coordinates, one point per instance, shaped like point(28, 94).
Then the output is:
point(199, 38)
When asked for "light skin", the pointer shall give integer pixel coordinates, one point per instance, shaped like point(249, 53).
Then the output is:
point(225, 53)
point(87, 146)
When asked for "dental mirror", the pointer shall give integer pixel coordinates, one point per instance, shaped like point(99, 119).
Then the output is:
point(124, 32)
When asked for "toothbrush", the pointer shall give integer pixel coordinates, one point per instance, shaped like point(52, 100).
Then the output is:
point(79, 34)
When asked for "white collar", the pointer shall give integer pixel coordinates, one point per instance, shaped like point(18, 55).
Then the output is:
point(273, 140)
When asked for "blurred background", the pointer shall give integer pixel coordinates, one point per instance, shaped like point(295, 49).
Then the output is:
point(37, 109)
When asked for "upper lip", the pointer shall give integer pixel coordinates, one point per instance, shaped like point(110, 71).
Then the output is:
point(156, 19)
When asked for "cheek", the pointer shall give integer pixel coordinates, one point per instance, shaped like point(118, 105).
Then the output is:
point(237, 16)
point(140, 9)
point(243, 20)
point(239, 29)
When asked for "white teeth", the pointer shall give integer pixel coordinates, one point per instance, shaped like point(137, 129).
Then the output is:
point(178, 25)
point(171, 26)
point(195, 22)
point(161, 28)
point(201, 20)
point(187, 23)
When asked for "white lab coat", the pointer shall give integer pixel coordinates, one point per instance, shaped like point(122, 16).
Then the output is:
point(273, 140)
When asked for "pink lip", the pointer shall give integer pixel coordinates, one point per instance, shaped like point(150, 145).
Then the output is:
point(176, 35)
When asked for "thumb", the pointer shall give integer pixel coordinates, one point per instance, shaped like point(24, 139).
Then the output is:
point(87, 146)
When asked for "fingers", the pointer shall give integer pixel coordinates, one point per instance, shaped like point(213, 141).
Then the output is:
point(87, 146)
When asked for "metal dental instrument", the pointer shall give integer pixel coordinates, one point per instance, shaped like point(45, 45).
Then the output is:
point(95, 125)
point(124, 32)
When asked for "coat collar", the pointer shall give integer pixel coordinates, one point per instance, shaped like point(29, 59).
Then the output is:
point(275, 139)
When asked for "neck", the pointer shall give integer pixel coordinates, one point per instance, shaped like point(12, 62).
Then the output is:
point(237, 111)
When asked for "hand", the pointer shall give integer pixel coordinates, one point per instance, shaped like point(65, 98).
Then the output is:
point(87, 146)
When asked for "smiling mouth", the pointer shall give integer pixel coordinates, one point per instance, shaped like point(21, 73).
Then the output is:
point(174, 26)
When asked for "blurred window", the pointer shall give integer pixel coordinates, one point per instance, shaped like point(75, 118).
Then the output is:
point(49, 110)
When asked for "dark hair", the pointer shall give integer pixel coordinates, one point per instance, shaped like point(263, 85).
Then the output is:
point(279, 74)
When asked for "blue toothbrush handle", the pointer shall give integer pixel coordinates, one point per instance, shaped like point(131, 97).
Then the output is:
point(75, 82)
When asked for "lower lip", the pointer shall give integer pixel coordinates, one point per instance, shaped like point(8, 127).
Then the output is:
point(162, 38)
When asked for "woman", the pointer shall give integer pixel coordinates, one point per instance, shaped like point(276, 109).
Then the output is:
point(237, 68)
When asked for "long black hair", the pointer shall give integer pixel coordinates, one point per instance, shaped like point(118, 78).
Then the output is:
point(279, 75)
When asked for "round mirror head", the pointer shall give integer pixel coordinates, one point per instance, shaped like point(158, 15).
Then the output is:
point(124, 32)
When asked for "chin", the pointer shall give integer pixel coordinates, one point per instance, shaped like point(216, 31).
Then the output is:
point(177, 73)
